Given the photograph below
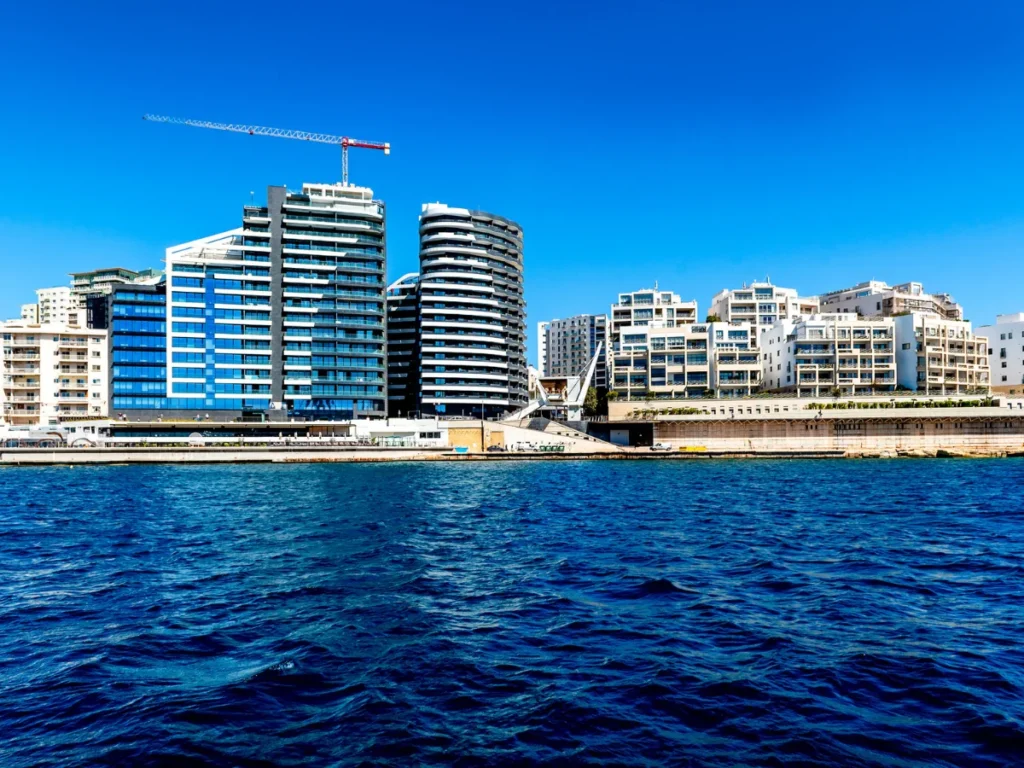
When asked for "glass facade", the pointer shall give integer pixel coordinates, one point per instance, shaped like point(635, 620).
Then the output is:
point(138, 347)
point(332, 289)
point(220, 328)
point(285, 312)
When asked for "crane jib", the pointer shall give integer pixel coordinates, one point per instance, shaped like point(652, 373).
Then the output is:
point(282, 133)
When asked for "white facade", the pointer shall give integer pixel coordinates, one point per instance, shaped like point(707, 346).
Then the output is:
point(650, 307)
point(1005, 350)
point(937, 356)
point(761, 304)
point(52, 372)
point(570, 344)
point(472, 313)
point(410, 433)
point(735, 364)
point(654, 361)
point(825, 355)
point(542, 348)
point(30, 313)
point(58, 305)
point(875, 298)
point(238, 314)
point(692, 360)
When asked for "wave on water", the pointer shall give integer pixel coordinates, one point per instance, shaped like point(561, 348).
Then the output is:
point(573, 613)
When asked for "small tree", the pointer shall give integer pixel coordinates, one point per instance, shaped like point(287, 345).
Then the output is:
point(590, 402)
point(712, 319)
point(613, 394)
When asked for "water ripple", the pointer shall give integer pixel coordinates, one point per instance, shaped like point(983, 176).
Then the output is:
point(583, 613)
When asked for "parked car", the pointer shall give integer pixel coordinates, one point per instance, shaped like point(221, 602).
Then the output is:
point(495, 449)
point(661, 447)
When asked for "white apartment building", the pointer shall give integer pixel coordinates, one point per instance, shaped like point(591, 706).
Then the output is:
point(761, 304)
point(875, 298)
point(652, 361)
point(938, 356)
point(58, 305)
point(825, 355)
point(735, 363)
point(1005, 351)
point(52, 372)
point(542, 349)
point(650, 306)
point(472, 313)
point(570, 344)
point(30, 313)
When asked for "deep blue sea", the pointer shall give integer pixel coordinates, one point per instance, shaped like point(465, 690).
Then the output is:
point(641, 613)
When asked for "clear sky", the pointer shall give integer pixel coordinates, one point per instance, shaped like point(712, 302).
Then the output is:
point(698, 144)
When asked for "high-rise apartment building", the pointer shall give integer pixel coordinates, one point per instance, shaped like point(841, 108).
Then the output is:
point(761, 304)
point(285, 313)
point(403, 304)
point(571, 344)
point(825, 355)
point(938, 356)
point(875, 298)
point(1005, 351)
point(52, 372)
point(30, 313)
point(472, 313)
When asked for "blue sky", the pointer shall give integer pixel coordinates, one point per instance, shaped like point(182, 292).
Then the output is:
point(698, 144)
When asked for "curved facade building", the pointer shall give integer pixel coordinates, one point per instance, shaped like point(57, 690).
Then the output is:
point(472, 313)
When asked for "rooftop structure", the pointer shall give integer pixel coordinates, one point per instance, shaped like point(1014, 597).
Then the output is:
point(101, 281)
point(875, 298)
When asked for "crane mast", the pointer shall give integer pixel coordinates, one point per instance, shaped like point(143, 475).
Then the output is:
point(282, 133)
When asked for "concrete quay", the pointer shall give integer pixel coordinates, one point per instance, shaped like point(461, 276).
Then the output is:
point(70, 457)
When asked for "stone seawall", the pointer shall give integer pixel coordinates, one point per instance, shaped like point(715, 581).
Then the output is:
point(966, 431)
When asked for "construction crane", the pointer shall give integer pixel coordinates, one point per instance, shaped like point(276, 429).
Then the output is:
point(282, 133)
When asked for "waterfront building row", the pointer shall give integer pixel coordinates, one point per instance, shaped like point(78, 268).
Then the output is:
point(287, 316)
